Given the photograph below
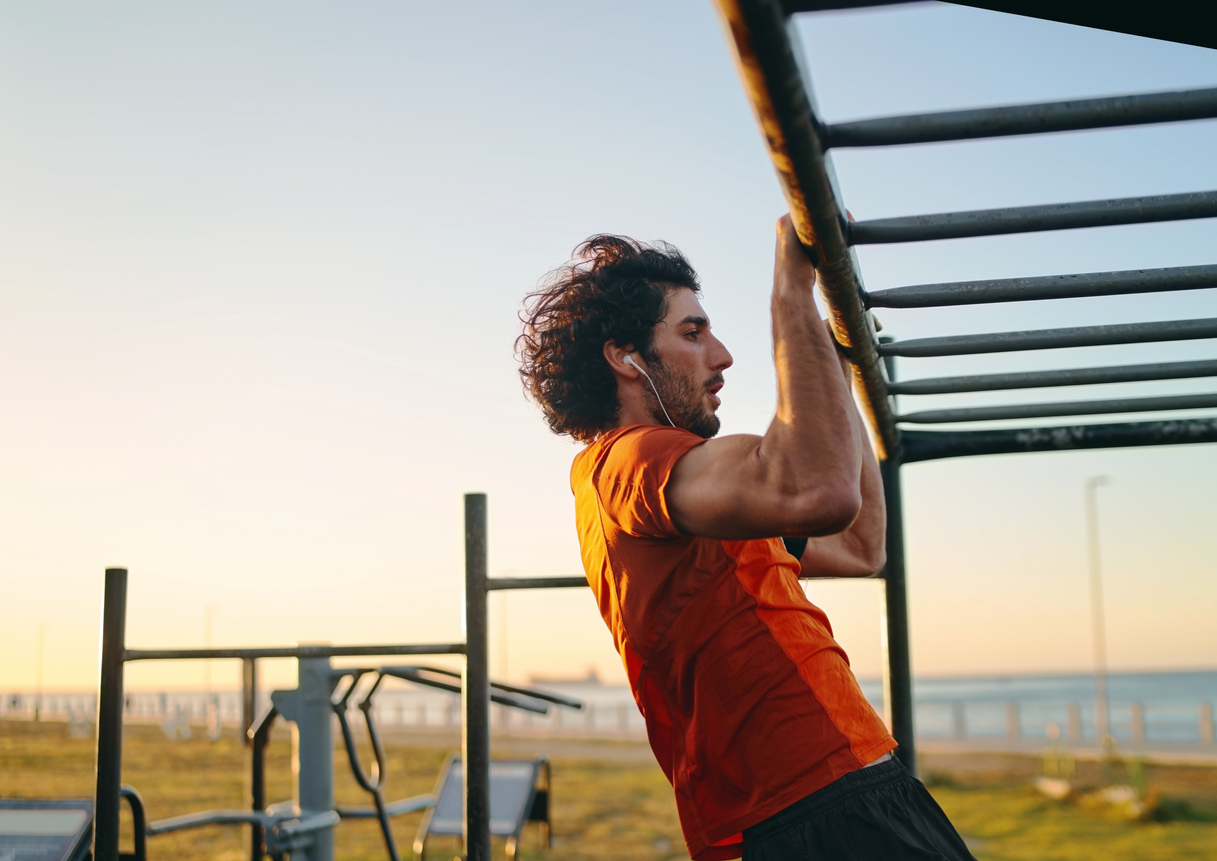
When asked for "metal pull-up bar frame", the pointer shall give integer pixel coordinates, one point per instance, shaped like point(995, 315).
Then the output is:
point(770, 66)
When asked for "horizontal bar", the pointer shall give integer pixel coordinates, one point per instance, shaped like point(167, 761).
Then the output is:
point(1045, 379)
point(1046, 287)
point(1029, 219)
point(935, 445)
point(293, 652)
point(1053, 339)
point(1029, 119)
point(793, 7)
point(394, 808)
point(534, 583)
point(211, 817)
point(414, 674)
point(1073, 408)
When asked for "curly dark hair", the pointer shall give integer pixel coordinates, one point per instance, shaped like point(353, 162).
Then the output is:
point(613, 289)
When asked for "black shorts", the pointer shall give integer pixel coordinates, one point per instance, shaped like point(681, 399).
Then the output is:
point(880, 813)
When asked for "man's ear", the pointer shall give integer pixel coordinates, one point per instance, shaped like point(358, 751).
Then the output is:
point(615, 356)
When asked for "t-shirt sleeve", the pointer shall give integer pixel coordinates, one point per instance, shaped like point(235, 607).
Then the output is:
point(632, 476)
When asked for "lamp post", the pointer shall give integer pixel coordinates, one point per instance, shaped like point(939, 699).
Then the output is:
point(38, 661)
point(1102, 727)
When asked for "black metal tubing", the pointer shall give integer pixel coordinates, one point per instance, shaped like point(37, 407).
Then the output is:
point(1031, 119)
point(898, 664)
point(139, 823)
point(373, 785)
point(1045, 287)
point(1064, 377)
point(259, 737)
point(1072, 408)
point(110, 717)
point(935, 445)
point(793, 7)
point(475, 730)
point(249, 696)
point(500, 583)
point(415, 674)
point(775, 87)
point(1054, 339)
point(1030, 219)
point(293, 652)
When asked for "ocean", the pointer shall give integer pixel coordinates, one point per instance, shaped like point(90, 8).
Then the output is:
point(1171, 703)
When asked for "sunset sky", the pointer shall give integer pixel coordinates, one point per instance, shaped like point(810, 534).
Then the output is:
point(260, 266)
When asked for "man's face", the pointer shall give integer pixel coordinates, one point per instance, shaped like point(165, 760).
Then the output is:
point(688, 371)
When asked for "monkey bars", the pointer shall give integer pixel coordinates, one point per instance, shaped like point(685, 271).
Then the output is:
point(769, 63)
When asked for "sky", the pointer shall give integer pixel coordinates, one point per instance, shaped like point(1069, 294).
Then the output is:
point(260, 271)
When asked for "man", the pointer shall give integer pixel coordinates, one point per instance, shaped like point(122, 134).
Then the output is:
point(750, 705)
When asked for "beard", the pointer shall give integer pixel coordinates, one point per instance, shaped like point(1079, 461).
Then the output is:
point(684, 399)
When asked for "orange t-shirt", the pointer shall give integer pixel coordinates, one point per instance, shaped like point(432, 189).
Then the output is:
point(750, 704)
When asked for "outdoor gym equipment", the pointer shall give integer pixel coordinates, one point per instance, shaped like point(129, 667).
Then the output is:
point(519, 793)
point(304, 827)
point(777, 82)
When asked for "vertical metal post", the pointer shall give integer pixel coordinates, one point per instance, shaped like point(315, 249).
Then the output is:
point(897, 660)
point(475, 689)
point(313, 749)
point(249, 697)
point(110, 716)
point(1102, 724)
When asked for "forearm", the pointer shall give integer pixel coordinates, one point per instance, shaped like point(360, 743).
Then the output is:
point(812, 447)
point(860, 550)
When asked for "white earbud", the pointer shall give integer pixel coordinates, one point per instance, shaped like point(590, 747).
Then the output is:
point(629, 360)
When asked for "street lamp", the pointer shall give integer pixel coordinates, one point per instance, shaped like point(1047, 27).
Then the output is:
point(38, 661)
point(1102, 726)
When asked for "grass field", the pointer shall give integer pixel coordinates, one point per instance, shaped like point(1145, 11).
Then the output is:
point(610, 800)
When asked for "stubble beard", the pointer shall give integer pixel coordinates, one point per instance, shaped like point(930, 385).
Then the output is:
point(684, 399)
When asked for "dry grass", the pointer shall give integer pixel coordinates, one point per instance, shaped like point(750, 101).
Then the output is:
point(610, 800)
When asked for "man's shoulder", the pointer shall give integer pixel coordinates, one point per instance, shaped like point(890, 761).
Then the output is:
point(633, 447)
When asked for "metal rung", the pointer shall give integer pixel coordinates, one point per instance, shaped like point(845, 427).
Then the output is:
point(1029, 219)
point(1052, 339)
point(1032, 119)
point(498, 583)
point(934, 445)
point(1075, 408)
point(1043, 379)
point(1046, 287)
point(793, 7)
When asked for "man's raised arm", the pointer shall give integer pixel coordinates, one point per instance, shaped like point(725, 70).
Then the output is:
point(802, 476)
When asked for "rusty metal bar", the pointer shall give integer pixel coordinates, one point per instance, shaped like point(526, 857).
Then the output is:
point(1030, 219)
point(1073, 408)
point(768, 67)
point(1053, 339)
point(1067, 377)
point(1046, 287)
point(1031, 119)
point(935, 445)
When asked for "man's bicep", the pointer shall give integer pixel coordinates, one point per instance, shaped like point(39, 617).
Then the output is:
point(716, 490)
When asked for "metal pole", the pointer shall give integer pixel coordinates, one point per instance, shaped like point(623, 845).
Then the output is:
point(39, 661)
point(1102, 729)
point(255, 790)
point(110, 716)
point(249, 697)
point(314, 749)
point(897, 661)
point(475, 687)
